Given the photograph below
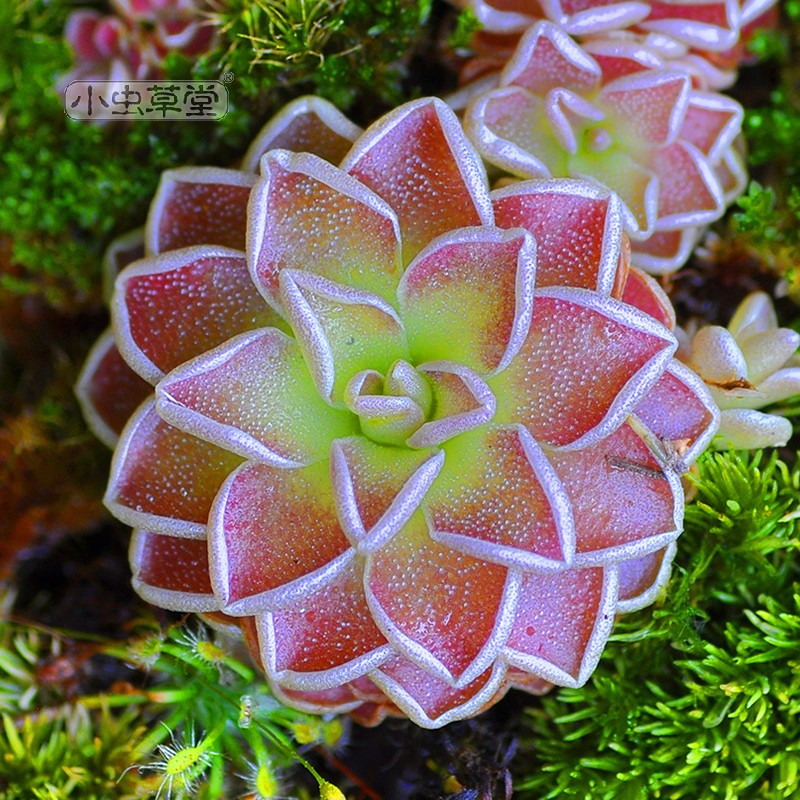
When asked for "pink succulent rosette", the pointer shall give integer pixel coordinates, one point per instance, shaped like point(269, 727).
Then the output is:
point(132, 43)
point(420, 441)
point(613, 111)
point(707, 40)
point(713, 26)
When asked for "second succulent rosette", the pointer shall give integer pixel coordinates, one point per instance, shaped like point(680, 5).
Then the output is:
point(710, 36)
point(133, 42)
point(615, 111)
point(421, 441)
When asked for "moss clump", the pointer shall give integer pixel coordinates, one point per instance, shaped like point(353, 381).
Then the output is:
point(353, 52)
point(767, 222)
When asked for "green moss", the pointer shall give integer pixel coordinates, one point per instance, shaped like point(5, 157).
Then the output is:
point(467, 24)
point(348, 52)
point(769, 224)
point(772, 131)
point(767, 220)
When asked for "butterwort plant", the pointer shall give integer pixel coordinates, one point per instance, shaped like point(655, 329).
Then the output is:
point(712, 27)
point(418, 440)
point(708, 40)
point(616, 111)
point(133, 42)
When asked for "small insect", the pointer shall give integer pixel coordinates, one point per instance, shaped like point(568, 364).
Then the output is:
point(632, 466)
point(182, 763)
point(668, 452)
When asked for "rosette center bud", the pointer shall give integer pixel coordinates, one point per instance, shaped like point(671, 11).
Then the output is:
point(598, 140)
point(391, 408)
point(419, 407)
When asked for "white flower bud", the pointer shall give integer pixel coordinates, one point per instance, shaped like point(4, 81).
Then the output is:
point(748, 365)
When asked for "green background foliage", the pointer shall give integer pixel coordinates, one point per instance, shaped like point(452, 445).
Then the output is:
point(696, 697)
